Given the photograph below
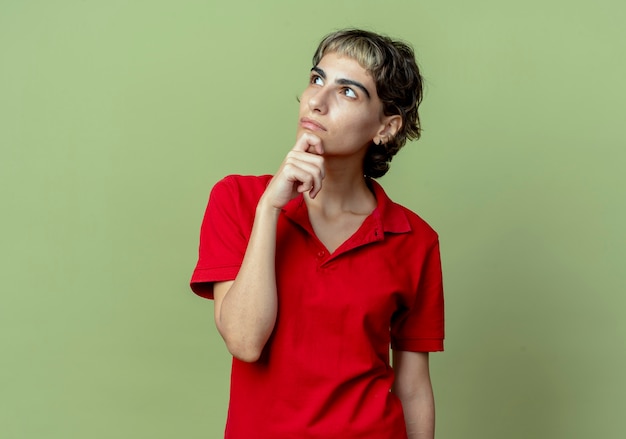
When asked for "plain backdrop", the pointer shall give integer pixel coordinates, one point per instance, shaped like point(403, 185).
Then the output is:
point(117, 117)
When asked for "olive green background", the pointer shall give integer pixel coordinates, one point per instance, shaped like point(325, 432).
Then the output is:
point(117, 117)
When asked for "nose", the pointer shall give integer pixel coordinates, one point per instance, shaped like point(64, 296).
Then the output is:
point(318, 101)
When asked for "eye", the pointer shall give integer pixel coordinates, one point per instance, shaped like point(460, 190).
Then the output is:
point(349, 92)
point(317, 80)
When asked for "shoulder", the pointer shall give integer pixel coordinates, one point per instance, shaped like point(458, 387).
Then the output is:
point(240, 188)
point(399, 218)
point(418, 224)
point(246, 182)
point(421, 234)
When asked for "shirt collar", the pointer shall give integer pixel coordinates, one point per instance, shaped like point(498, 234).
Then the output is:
point(392, 216)
point(388, 215)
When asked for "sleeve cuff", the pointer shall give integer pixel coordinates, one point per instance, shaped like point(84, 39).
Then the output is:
point(418, 345)
point(202, 279)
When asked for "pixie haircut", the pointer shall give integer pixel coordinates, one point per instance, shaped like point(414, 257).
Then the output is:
point(398, 82)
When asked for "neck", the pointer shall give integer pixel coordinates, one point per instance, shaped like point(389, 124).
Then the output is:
point(344, 189)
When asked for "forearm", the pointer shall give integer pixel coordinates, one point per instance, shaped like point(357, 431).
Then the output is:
point(419, 415)
point(414, 389)
point(247, 312)
point(245, 309)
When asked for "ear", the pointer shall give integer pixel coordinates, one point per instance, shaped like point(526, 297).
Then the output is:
point(389, 127)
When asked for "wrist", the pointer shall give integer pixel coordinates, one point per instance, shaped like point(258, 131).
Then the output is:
point(267, 209)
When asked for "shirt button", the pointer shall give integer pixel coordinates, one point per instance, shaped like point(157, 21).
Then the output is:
point(321, 254)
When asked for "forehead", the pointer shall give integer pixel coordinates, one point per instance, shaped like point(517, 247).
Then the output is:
point(343, 66)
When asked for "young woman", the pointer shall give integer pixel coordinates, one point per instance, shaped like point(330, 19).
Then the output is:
point(315, 272)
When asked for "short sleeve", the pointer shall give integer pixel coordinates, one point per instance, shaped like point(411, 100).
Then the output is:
point(224, 233)
point(420, 328)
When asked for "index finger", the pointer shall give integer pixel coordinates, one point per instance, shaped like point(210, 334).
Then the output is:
point(309, 143)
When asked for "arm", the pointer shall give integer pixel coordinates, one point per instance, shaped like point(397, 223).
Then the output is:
point(245, 309)
point(413, 387)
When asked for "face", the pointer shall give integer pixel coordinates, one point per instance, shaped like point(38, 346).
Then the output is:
point(341, 107)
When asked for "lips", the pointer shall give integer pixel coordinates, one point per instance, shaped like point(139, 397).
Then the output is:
point(311, 124)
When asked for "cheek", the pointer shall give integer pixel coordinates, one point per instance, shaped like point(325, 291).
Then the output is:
point(302, 100)
point(305, 97)
point(361, 125)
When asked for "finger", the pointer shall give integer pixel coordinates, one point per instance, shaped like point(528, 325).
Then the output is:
point(308, 174)
point(309, 143)
point(302, 180)
point(313, 163)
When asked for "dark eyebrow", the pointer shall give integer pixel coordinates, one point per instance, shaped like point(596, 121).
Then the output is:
point(322, 73)
point(319, 71)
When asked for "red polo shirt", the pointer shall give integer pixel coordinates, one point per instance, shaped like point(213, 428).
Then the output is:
point(325, 370)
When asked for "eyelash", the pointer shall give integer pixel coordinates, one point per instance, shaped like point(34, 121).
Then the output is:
point(344, 90)
point(315, 78)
